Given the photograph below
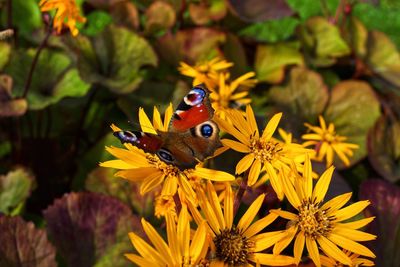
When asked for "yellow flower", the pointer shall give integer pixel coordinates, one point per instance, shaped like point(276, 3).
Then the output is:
point(322, 225)
point(356, 261)
point(263, 153)
point(241, 244)
point(164, 204)
point(148, 170)
point(183, 249)
point(67, 14)
point(205, 72)
point(225, 96)
point(327, 143)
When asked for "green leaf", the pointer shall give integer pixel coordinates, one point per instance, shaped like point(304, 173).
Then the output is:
point(323, 40)
point(358, 36)
point(96, 22)
point(15, 188)
point(204, 12)
point(26, 16)
point(23, 245)
point(382, 18)
point(52, 80)
point(353, 109)
point(310, 8)
point(5, 50)
point(271, 61)
point(114, 59)
point(272, 30)
point(305, 94)
point(383, 57)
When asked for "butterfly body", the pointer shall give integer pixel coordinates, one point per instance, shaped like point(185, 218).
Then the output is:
point(192, 135)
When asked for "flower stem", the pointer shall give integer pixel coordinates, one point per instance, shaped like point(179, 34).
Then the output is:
point(34, 62)
point(240, 193)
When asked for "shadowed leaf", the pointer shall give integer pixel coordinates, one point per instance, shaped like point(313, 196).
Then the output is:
point(385, 205)
point(305, 94)
point(190, 45)
point(9, 106)
point(5, 50)
point(256, 11)
point(271, 61)
point(22, 245)
point(115, 58)
point(353, 109)
point(53, 78)
point(86, 226)
point(384, 147)
point(15, 188)
point(159, 16)
point(125, 14)
point(206, 11)
point(102, 180)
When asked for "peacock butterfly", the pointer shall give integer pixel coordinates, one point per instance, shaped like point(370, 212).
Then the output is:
point(192, 135)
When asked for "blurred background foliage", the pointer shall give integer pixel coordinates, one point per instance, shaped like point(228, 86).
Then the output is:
point(335, 58)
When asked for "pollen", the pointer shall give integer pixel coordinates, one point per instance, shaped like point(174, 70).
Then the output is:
point(265, 151)
point(313, 221)
point(232, 247)
point(167, 169)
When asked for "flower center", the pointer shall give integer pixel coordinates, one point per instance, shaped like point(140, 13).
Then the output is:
point(329, 137)
point(313, 221)
point(167, 169)
point(232, 247)
point(164, 204)
point(187, 262)
point(265, 151)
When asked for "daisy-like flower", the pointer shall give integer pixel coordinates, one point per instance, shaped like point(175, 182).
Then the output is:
point(205, 72)
point(67, 14)
point(263, 153)
point(327, 143)
point(148, 170)
point(356, 261)
point(183, 249)
point(241, 244)
point(322, 225)
point(226, 96)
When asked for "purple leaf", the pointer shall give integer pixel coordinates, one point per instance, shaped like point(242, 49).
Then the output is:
point(85, 226)
point(256, 10)
point(22, 245)
point(385, 205)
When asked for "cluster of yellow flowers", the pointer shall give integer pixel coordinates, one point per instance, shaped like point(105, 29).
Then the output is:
point(320, 230)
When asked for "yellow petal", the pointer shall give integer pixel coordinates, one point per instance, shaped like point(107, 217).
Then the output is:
point(322, 185)
point(271, 127)
point(173, 237)
point(313, 251)
point(273, 178)
point(157, 119)
point(183, 233)
point(254, 172)
point(252, 121)
point(290, 192)
point(307, 174)
point(116, 164)
point(142, 262)
point(333, 251)
point(167, 116)
point(228, 206)
point(198, 243)
point(351, 245)
point(244, 164)
point(266, 240)
point(299, 246)
point(224, 125)
point(145, 249)
point(235, 145)
point(214, 202)
point(151, 182)
point(213, 175)
point(352, 234)
point(157, 241)
point(285, 214)
point(251, 213)
point(357, 224)
point(129, 156)
point(273, 260)
point(138, 174)
point(285, 241)
point(336, 203)
point(145, 123)
point(260, 224)
point(170, 186)
point(351, 211)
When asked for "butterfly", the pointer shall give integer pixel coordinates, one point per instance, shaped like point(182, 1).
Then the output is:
point(192, 136)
